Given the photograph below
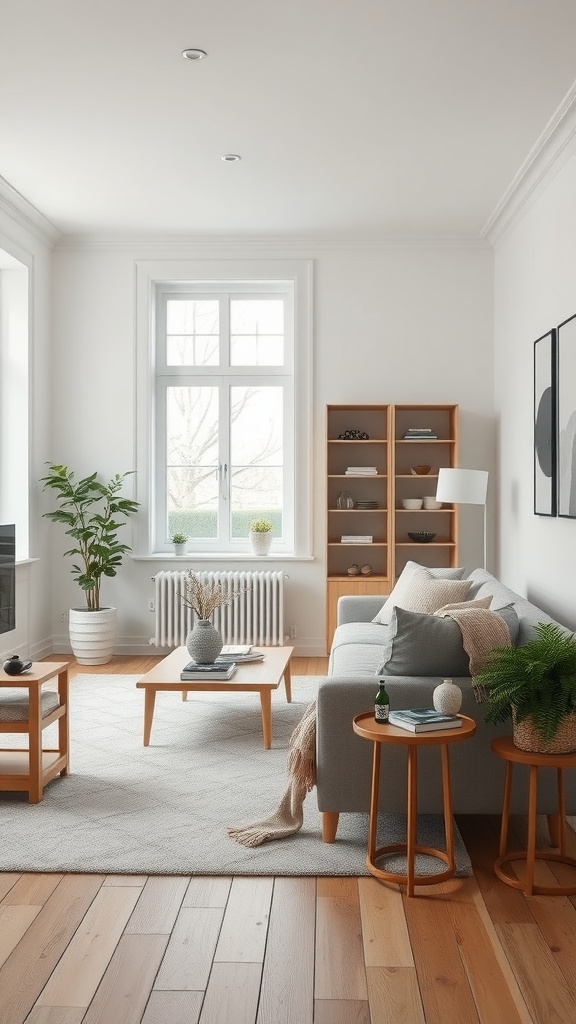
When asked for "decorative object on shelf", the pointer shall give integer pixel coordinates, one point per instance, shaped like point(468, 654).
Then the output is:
point(354, 435)
point(353, 570)
point(535, 685)
point(447, 698)
point(260, 533)
point(15, 666)
point(366, 504)
point(93, 514)
point(420, 470)
point(566, 418)
point(179, 541)
point(204, 642)
point(366, 570)
point(412, 504)
point(431, 504)
point(545, 424)
point(344, 500)
point(421, 536)
point(464, 487)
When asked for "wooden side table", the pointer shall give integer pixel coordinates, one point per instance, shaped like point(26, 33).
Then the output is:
point(29, 770)
point(379, 733)
point(504, 747)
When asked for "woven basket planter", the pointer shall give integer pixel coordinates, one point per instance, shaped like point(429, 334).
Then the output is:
point(564, 742)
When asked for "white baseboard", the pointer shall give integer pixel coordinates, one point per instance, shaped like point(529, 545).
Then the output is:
point(141, 646)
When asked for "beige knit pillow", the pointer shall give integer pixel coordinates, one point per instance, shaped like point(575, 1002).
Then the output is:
point(422, 592)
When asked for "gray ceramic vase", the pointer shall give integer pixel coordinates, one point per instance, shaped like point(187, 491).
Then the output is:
point(204, 642)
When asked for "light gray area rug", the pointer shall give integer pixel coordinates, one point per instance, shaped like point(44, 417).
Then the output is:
point(164, 809)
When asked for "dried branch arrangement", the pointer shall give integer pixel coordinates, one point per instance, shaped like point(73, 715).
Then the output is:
point(205, 594)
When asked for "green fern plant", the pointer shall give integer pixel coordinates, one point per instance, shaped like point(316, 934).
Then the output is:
point(537, 680)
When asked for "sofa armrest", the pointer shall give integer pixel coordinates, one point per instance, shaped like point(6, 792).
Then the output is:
point(359, 607)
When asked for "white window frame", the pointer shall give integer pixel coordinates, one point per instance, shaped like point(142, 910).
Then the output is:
point(157, 280)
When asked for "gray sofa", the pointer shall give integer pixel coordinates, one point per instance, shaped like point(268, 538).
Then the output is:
point(344, 759)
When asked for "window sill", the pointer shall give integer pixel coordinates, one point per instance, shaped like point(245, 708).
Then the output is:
point(214, 556)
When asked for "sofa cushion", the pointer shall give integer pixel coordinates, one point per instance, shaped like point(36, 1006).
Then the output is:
point(430, 645)
point(421, 591)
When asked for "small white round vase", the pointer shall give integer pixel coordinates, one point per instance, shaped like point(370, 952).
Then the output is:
point(447, 698)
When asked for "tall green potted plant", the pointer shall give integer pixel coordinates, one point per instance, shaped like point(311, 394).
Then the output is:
point(92, 512)
point(535, 685)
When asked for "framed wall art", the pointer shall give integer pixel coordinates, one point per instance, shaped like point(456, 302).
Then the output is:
point(566, 399)
point(545, 424)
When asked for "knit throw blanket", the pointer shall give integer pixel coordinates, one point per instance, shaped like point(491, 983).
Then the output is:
point(288, 818)
point(481, 630)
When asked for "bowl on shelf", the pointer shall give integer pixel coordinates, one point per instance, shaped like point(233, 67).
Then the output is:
point(420, 470)
point(412, 503)
point(422, 536)
point(431, 503)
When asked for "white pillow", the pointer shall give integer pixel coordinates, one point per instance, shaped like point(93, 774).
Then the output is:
point(421, 591)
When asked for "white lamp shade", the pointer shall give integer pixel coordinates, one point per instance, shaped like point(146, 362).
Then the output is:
point(462, 486)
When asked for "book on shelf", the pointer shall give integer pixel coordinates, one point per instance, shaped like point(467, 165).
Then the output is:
point(357, 471)
point(214, 671)
point(423, 720)
point(349, 538)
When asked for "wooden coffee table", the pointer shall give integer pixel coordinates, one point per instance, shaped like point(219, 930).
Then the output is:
point(258, 676)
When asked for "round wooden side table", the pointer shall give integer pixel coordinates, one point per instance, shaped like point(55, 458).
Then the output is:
point(381, 733)
point(504, 747)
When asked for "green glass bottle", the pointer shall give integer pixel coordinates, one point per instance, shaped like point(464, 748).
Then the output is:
point(381, 703)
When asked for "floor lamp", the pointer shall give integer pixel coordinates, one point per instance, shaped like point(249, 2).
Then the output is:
point(464, 487)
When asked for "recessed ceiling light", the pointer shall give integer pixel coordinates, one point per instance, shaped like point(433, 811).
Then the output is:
point(231, 158)
point(192, 53)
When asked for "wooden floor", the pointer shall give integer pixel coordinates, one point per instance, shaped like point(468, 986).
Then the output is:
point(128, 949)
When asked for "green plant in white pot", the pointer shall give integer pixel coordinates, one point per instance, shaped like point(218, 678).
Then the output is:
point(179, 541)
point(260, 533)
point(93, 513)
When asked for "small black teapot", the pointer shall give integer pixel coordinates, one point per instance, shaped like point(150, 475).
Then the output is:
point(15, 666)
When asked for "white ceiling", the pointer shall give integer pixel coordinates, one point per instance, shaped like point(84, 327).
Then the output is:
point(352, 116)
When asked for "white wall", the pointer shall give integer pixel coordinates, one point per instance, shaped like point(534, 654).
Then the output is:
point(29, 241)
point(535, 290)
point(392, 324)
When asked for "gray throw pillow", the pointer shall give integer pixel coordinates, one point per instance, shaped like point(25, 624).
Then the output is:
point(429, 645)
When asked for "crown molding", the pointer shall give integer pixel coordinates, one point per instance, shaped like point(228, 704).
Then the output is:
point(215, 245)
point(553, 147)
point(24, 213)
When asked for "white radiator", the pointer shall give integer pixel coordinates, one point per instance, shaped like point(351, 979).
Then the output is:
point(254, 617)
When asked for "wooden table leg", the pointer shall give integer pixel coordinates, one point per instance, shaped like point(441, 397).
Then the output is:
point(447, 802)
point(505, 809)
point(149, 702)
point(412, 816)
point(373, 826)
point(531, 847)
point(64, 721)
point(266, 706)
point(561, 813)
point(288, 683)
point(34, 746)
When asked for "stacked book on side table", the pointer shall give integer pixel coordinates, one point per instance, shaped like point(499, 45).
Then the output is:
point(423, 720)
point(225, 665)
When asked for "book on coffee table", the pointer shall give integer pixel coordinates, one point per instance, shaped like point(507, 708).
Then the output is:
point(239, 659)
point(423, 720)
point(193, 671)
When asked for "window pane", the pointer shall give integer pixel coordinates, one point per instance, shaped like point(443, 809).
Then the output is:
point(255, 493)
point(192, 332)
point(193, 503)
point(192, 461)
point(257, 456)
point(256, 332)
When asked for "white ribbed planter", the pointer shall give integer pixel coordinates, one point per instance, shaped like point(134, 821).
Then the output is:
point(92, 635)
point(260, 542)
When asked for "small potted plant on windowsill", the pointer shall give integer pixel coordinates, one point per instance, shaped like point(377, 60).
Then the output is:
point(260, 534)
point(179, 541)
point(535, 685)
